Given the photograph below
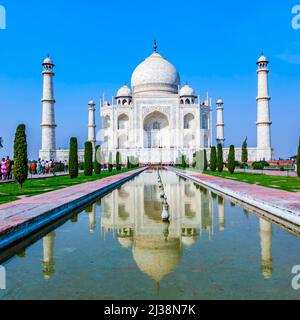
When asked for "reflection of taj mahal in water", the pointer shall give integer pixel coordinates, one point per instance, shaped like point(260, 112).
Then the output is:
point(133, 214)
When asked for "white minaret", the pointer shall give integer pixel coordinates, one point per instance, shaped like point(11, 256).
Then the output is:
point(92, 123)
point(220, 122)
point(264, 149)
point(48, 117)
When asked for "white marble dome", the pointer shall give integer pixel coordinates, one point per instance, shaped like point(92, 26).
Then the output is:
point(155, 75)
point(48, 61)
point(262, 59)
point(220, 101)
point(187, 91)
point(125, 91)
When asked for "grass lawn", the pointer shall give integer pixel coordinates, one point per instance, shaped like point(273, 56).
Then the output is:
point(32, 187)
point(291, 184)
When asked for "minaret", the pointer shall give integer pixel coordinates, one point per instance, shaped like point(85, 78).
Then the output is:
point(48, 117)
point(220, 122)
point(92, 123)
point(264, 150)
point(266, 248)
point(48, 257)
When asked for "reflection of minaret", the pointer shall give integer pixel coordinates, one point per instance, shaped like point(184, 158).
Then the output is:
point(48, 260)
point(266, 248)
point(221, 208)
point(92, 218)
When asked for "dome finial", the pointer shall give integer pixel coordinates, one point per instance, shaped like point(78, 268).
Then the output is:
point(155, 45)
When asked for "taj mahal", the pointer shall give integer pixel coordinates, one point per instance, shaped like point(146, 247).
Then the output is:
point(157, 119)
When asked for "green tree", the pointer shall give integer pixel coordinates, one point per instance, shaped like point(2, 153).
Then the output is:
point(245, 152)
point(88, 159)
point(110, 163)
point(1, 143)
point(213, 159)
point(97, 163)
point(118, 161)
point(231, 160)
point(20, 169)
point(220, 160)
point(73, 158)
point(298, 160)
point(128, 163)
point(205, 165)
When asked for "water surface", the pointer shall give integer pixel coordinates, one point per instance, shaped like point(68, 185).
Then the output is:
point(118, 248)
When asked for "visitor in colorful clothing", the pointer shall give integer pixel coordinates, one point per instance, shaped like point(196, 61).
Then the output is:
point(8, 167)
point(3, 169)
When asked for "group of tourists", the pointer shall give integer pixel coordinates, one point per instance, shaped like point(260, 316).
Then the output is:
point(6, 169)
point(42, 167)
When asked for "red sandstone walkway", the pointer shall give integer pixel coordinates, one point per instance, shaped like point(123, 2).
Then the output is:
point(279, 201)
point(18, 212)
point(270, 172)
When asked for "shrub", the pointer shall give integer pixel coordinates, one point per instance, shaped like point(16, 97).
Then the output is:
point(205, 164)
point(213, 159)
point(257, 166)
point(245, 151)
point(110, 164)
point(118, 161)
point(88, 159)
point(97, 164)
point(231, 160)
point(73, 158)
point(282, 168)
point(220, 161)
point(128, 163)
point(20, 170)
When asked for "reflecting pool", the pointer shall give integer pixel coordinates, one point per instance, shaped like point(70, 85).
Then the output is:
point(118, 248)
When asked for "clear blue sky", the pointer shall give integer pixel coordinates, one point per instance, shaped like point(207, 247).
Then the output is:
point(97, 44)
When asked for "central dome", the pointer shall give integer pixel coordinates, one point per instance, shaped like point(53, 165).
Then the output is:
point(155, 75)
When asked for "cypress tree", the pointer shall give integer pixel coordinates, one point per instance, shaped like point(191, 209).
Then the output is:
point(205, 164)
point(88, 159)
point(298, 160)
point(73, 158)
point(118, 161)
point(20, 169)
point(97, 163)
point(220, 161)
point(245, 152)
point(231, 160)
point(110, 164)
point(1, 143)
point(213, 159)
point(128, 163)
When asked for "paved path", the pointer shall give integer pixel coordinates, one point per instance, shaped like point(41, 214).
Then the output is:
point(278, 202)
point(22, 217)
point(39, 176)
point(270, 172)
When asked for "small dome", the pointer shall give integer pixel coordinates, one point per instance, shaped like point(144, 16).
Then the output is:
point(187, 91)
point(91, 102)
point(220, 101)
point(262, 59)
point(48, 61)
point(125, 91)
point(155, 75)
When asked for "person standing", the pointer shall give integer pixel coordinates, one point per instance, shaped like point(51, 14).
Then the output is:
point(8, 167)
point(3, 169)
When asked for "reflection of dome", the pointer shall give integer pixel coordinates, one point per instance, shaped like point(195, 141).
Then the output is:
point(188, 241)
point(157, 258)
point(125, 91)
point(155, 74)
point(187, 91)
point(125, 242)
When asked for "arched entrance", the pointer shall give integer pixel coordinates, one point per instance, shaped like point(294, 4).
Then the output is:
point(156, 131)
